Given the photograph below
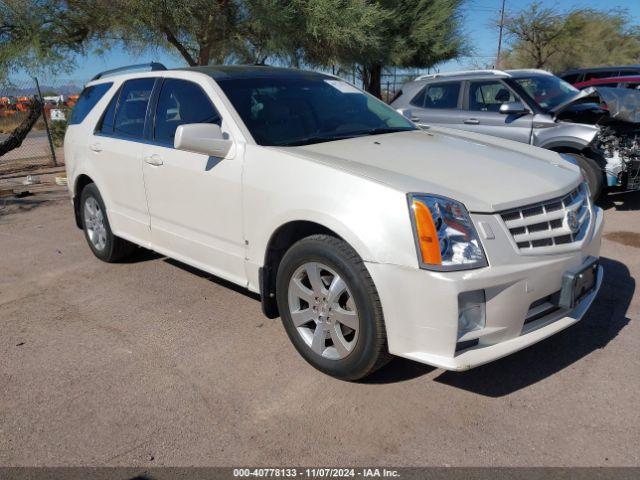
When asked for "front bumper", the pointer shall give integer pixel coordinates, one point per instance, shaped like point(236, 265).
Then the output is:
point(421, 307)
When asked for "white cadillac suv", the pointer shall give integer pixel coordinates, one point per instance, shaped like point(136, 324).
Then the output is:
point(368, 236)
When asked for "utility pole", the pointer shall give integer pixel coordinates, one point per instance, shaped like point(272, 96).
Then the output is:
point(500, 35)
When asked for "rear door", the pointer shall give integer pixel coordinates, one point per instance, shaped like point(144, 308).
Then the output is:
point(481, 112)
point(116, 150)
point(437, 104)
point(195, 201)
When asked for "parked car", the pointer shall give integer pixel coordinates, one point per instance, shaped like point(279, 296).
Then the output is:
point(368, 236)
point(578, 75)
point(627, 81)
point(536, 107)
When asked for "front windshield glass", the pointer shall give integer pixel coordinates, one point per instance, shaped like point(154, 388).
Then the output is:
point(547, 91)
point(301, 110)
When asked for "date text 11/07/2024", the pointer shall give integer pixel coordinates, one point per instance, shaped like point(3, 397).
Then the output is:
point(315, 472)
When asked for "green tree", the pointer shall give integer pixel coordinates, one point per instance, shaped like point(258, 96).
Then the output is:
point(543, 38)
point(201, 31)
point(34, 34)
point(369, 34)
point(417, 34)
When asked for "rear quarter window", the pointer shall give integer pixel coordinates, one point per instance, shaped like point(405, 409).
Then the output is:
point(87, 100)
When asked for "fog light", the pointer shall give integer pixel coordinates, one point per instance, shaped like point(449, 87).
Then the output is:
point(471, 311)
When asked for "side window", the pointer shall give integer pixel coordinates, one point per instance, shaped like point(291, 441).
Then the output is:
point(88, 99)
point(488, 96)
point(442, 96)
point(106, 124)
point(602, 74)
point(572, 78)
point(418, 100)
point(181, 102)
point(132, 107)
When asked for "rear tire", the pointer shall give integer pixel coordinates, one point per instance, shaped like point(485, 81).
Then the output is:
point(330, 308)
point(103, 243)
point(593, 174)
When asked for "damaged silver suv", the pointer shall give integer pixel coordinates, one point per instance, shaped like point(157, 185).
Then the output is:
point(598, 127)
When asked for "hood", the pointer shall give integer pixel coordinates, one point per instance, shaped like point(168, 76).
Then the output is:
point(486, 174)
point(622, 103)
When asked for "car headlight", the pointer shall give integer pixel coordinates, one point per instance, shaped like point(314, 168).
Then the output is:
point(444, 233)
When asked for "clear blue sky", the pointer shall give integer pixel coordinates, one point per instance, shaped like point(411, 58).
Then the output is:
point(480, 19)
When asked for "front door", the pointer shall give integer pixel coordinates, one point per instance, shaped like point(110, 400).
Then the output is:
point(194, 200)
point(481, 112)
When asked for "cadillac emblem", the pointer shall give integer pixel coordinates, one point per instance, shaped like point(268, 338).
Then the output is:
point(571, 221)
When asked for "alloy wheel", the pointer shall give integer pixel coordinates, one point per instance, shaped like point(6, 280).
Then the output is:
point(323, 310)
point(94, 222)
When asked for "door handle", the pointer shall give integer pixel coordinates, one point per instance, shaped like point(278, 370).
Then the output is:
point(95, 147)
point(472, 121)
point(415, 119)
point(155, 160)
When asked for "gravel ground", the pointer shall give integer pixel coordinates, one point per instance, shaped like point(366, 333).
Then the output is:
point(154, 363)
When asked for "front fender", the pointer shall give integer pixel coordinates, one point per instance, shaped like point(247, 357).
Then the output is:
point(576, 136)
point(279, 188)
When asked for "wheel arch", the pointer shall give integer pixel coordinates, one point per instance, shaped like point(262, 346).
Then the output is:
point(566, 146)
point(280, 241)
point(81, 181)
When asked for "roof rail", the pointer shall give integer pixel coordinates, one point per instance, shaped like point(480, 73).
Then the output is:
point(462, 73)
point(151, 65)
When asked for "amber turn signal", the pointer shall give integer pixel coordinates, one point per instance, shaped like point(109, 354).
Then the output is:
point(427, 234)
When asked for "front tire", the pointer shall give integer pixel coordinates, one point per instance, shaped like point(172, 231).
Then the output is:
point(103, 243)
point(330, 308)
point(593, 174)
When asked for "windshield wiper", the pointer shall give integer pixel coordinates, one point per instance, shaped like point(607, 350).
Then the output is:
point(381, 130)
point(314, 139)
point(344, 136)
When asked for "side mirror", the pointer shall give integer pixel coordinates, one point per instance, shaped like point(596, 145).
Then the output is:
point(405, 112)
point(408, 113)
point(510, 108)
point(205, 138)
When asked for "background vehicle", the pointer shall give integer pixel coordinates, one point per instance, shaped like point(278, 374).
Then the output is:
point(347, 218)
point(578, 75)
point(535, 107)
point(627, 81)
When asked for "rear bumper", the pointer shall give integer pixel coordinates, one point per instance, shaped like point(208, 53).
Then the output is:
point(421, 307)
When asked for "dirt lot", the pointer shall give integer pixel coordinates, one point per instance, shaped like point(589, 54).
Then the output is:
point(154, 363)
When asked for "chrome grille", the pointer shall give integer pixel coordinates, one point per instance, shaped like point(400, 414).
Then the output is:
point(560, 221)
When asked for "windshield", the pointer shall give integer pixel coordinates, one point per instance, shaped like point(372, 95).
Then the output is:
point(303, 110)
point(546, 90)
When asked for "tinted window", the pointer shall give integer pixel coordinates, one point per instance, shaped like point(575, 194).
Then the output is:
point(444, 95)
point(132, 107)
point(88, 99)
point(488, 96)
point(106, 125)
point(418, 100)
point(573, 78)
point(304, 109)
point(181, 102)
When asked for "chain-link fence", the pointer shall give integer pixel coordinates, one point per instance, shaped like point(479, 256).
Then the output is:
point(33, 119)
